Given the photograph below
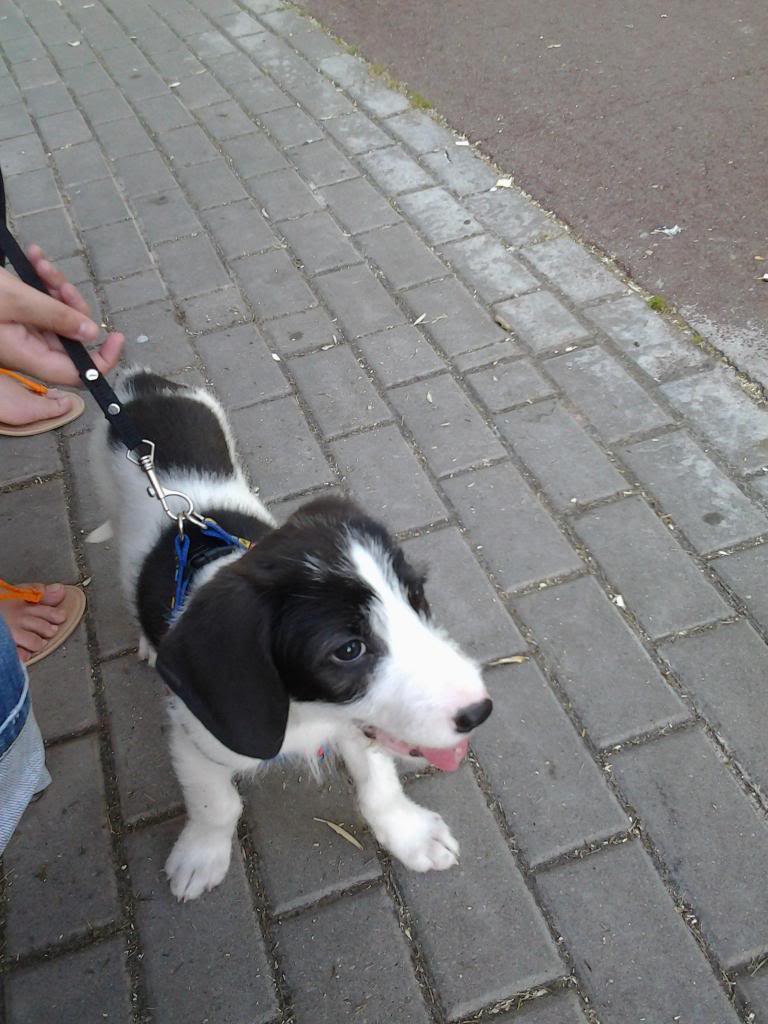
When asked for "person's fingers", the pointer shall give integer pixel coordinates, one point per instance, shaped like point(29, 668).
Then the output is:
point(28, 306)
point(69, 294)
point(56, 282)
point(107, 356)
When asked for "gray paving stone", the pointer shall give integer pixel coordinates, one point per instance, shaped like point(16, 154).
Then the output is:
point(322, 163)
point(605, 393)
point(355, 77)
point(164, 345)
point(461, 170)
point(253, 155)
point(319, 243)
point(725, 415)
point(210, 44)
point(273, 284)
point(190, 266)
point(399, 355)
point(337, 391)
point(489, 355)
point(217, 187)
point(215, 310)
point(291, 127)
point(712, 840)
point(542, 322)
point(24, 154)
point(30, 192)
point(22, 48)
point(601, 905)
point(188, 947)
point(357, 133)
point(225, 120)
point(302, 331)
point(662, 586)
point(42, 509)
point(139, 83)
point(240, 24)
point(123, 138)
point(611, 681)
point(513, 217)
point(488, 268)
point(165, 216)
point(283, 195)
point(66, 56)
point(508, 385)
point(759, 485)
point(113, 623)
point(51, 227)
point(448, 429)
point(578, 274)
point(561, 1008)
point(401, 256)
point(403, 496)
point(38, 71)
point(242, 369)
point(461, 915)
point(567, 463)
point(452, 317)
point(257, 93)
point(162, 114)
point(359, 206)
point(285, 808)
point(646, 337)
point(554, 797)
point(462, 600)
point(75, 268)
point(438, 216)
point(14, 120)
point(65, 129)
point(350, 954)
point(55, 990)
point(41, 102)
point(133, 291)
point(754, 988)
point(420, 131)
point(139, 730)
point(359, 301)
point(744, 573)
point(200, 90)
point(279, 449)
point(394, 171)
point(97, 203)
point(187, 147)
point(25, 458)
point(62, 690)
point(507, 524)
point(116, 250)
point(87, 79)
point(703, 502)
point(239, 229)
point(723, 670)
point(105, 107)
point(144, 174)
point(58, 867)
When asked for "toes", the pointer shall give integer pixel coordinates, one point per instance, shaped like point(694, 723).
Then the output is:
point(29, 642)
point(34, 624)
point(46, 613)
point(53, 594)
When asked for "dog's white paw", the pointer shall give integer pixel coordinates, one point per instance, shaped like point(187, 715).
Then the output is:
point(198, 862)
point(417, 837)
point(147, 652)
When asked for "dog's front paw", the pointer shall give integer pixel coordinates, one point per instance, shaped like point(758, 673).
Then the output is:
point(416, 836)
point(198, 862)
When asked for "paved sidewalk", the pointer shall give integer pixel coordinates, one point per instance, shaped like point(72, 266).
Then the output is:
point(257, 212)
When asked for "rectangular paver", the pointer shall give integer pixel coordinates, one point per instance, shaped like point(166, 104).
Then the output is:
point(542, 322)
point(507, 385)
point(511, 216)
point(319, 243)
point(581, 276)
point(401, 256)
point(62, 689)
point(399, 355)
point(300, 332)
point(554, 797)
point(488, 268)
point(241, 366)
point(191, 267)
point(359, 206)
point(438, 216)
point(518, 540)
point(273, 284)
point(461, 916)
point(360, 302)
point(452, 318)
point(337, 390)
point(601, 906)
point(614, 686)
point(659, 581)
point(744, 572)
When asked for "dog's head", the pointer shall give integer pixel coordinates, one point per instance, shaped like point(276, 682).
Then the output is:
point(325, 608)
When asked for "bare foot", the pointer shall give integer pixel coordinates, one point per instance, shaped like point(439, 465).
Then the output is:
point(19, 407)
point(32, 624)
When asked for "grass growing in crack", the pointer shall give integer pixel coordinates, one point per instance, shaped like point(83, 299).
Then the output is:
point(659, 304)
point(419, 101)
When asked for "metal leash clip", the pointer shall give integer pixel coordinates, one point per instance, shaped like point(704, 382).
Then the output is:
point(156, 490)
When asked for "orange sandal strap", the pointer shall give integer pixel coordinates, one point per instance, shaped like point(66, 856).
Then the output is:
point(32, 595)
point(30, 385)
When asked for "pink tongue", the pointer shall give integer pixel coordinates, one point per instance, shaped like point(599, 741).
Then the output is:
point(447, 759)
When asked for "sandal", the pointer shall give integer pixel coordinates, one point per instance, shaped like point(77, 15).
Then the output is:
point(72, 604)
point(77, 408)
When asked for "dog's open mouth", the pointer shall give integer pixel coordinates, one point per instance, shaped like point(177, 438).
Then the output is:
point(447, 759)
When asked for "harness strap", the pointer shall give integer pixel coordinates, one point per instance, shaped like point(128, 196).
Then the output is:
point(90, 376)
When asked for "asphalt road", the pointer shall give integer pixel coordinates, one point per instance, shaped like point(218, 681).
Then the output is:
point(622, 118)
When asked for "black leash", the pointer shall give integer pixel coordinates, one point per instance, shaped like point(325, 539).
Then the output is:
point(90, 376)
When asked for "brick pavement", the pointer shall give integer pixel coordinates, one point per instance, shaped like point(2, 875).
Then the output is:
point(257, 211)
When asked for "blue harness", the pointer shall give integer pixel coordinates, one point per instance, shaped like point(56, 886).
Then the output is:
point(186, 567)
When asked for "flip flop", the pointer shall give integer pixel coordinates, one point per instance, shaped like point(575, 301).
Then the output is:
point(77, 408)
point(73, 604)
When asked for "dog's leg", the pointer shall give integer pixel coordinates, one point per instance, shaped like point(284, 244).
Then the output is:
point(200, 858)
point(146, 651)
point(416, 836)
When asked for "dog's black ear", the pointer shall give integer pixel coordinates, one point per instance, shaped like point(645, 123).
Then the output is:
point(217, 659)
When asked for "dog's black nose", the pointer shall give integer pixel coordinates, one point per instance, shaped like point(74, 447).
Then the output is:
point(473, 715)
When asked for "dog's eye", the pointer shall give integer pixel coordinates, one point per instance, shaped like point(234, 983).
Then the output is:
point(350, 651)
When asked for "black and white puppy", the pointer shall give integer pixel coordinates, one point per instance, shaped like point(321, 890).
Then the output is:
point(318, 637)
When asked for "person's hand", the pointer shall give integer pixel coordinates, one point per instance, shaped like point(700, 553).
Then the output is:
point(30, 321)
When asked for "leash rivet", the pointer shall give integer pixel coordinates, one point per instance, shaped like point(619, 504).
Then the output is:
point(91, 374)
point(113, 408)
